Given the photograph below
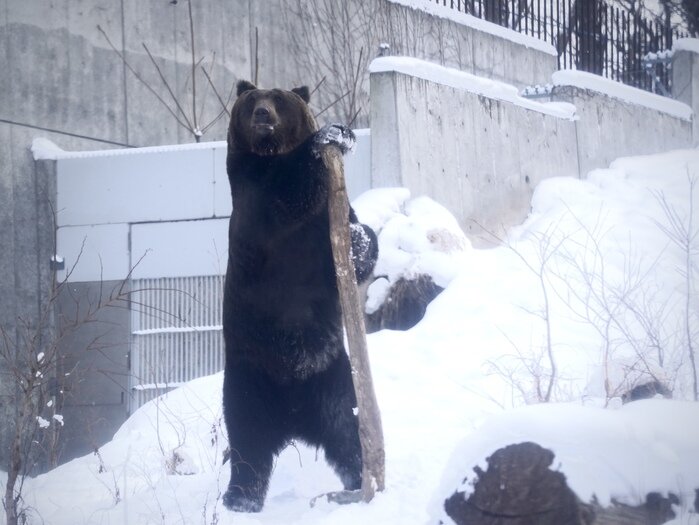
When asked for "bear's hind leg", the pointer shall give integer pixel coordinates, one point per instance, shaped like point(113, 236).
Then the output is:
point(249, 481)
point(255, 436)
point(337, 425)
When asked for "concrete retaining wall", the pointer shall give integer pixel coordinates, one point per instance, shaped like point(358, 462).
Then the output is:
point(615, 120)
point(445, 36)
point(478, 148)
point(471, 144)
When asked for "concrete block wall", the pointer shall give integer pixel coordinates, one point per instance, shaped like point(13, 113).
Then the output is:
point(469, 143)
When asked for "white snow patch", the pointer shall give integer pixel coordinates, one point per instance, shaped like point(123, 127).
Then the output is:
point(686, 44)
point(424, 240)
point(377, 292)
point(44, 149)
point(377, 206)
point(59, 418)
point(42, 422)
point(466, 81)
point(630, 94)
point(442, 11)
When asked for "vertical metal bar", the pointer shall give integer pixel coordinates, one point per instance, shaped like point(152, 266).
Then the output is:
point(559, 24)
point(619, 38)
point(605, 40)
point(623, 47)
point(564, 30)
point(638, 42)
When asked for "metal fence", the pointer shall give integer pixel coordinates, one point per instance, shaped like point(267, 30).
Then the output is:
point(589, 35)
point(176, 333)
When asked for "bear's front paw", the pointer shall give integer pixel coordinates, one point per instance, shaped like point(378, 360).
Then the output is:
point(336, 134)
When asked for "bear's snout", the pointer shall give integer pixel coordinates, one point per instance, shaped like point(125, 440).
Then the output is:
point(261, 113)
point(263, 119)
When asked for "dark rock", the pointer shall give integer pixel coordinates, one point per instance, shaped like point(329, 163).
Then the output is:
point(405, 304)
point(646, 391)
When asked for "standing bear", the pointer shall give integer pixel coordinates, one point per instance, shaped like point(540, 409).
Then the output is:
point(287, 375)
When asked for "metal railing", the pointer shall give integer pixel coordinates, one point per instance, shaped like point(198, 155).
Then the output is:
point(589, 35)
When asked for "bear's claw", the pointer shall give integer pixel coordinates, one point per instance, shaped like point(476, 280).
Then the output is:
point(336, 134)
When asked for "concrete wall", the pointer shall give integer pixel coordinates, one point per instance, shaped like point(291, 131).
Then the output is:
point(616, 120)
point(445, 36)
point(479, 149)
point(477, 154)
point(92, 393)
point(338, 46)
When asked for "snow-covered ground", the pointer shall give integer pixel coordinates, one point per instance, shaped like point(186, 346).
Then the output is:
point(592, 286)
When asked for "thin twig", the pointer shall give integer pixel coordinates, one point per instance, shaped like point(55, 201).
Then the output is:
point(169, 89)
point(140, 79)
point(194, 69)
point(218, 96)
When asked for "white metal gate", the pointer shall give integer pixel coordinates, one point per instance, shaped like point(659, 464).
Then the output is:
point(176, 333)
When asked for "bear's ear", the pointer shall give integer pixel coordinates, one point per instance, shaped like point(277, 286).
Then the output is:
point(303, 93)
point(244, 86)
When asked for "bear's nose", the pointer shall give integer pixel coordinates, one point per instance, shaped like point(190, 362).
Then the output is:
point(261, 112)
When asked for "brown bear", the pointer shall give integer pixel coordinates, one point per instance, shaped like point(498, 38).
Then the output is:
point(287, 375)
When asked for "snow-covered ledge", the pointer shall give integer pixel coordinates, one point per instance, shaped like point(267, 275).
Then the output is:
point(685, 77)
point(623, 92)
point(616, 120)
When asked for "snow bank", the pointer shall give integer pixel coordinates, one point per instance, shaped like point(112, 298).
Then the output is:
point(467, 81)
point(416, 237)
point(451, 389)
point(630, 94)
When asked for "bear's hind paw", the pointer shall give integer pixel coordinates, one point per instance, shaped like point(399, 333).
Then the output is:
point(336, 134)
point(234, 500)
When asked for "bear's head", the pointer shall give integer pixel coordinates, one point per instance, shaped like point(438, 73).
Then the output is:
point(270, 121)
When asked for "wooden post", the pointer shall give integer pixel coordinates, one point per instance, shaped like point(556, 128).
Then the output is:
point(370, 430)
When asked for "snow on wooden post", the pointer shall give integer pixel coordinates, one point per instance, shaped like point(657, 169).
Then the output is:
point(370, 430)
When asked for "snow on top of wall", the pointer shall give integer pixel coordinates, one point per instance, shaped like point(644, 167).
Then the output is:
point(44, 149)
point(478, 24)
point(467, 81)
point(584, 80)
point(686, 44)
